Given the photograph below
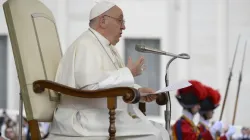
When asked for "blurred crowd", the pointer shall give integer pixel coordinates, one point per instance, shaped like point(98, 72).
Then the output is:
point(245, 134)
point(9, 126)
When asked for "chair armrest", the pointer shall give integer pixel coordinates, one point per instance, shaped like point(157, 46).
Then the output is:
point(130, 95)
point(162, 99)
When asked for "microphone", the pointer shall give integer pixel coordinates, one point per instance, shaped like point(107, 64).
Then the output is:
point(164, 98)
point(142, 48)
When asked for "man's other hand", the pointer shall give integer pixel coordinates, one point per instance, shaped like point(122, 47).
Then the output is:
point(147, 94)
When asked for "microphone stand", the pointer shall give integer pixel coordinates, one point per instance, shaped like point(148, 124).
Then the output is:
point(167, 96)
point(163, 98)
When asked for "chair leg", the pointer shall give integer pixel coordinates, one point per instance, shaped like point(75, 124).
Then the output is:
point(112, 103)
point(20, 117)
point(34, 130)
point(142, 107)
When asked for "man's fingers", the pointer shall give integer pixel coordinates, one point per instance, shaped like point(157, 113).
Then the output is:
point(149, 98)
point(140, 60)
point(143, 66)
point(130, 62)
point(154, 96)
point(129, 59)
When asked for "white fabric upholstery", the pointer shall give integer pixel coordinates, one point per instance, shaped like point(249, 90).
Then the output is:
point(37, 53)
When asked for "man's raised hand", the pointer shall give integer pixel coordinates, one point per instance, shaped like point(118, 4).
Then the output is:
point(137, 67)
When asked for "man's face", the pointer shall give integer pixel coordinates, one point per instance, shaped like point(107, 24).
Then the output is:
point(209, 114)
point(115, 24)
point(196, 108)
point(9, 133)
point(244, 131)
point(248, 131)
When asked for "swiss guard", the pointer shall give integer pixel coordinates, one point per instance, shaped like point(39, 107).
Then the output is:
point(208, 105)
point(190, 99)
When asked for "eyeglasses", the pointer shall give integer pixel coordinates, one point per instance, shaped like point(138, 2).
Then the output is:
point(121, 21)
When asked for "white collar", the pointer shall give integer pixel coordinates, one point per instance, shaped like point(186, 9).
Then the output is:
point(188, 114)
point(203, 121)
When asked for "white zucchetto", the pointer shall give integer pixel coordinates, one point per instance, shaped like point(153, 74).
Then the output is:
point(100, 8)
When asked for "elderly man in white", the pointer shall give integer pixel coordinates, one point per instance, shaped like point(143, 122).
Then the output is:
point(92, 62)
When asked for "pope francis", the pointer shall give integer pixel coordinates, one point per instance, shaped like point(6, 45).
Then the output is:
point(92, 62)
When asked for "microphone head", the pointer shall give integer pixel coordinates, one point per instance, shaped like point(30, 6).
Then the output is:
point(184, 56)
point(139, 47)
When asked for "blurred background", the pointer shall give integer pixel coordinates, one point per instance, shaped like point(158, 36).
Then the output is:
point(207, 30)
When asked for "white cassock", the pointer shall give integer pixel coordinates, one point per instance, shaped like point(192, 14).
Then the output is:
point(90, 64)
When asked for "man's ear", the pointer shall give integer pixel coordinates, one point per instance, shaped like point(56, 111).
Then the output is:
point(103, 22)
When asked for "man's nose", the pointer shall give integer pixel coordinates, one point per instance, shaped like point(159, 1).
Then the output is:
point(123, 27)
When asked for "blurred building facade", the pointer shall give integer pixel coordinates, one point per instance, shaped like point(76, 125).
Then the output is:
point(205, 29)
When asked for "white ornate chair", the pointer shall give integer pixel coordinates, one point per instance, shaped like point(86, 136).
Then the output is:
point(37, 53)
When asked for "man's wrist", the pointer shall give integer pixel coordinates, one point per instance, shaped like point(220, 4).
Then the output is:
point(133, 71)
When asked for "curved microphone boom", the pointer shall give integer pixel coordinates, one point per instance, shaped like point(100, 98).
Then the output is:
point(144, 49)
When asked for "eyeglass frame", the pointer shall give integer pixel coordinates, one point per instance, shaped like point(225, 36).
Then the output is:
point(122, 21)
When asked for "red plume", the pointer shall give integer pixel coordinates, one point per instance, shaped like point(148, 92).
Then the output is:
point(197, 88)
point(214, 95)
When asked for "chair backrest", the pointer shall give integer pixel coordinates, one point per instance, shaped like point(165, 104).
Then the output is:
point(37, 52)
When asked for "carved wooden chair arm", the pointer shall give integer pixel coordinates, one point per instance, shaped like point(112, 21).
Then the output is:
point(130, 95)
point(162, 99)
